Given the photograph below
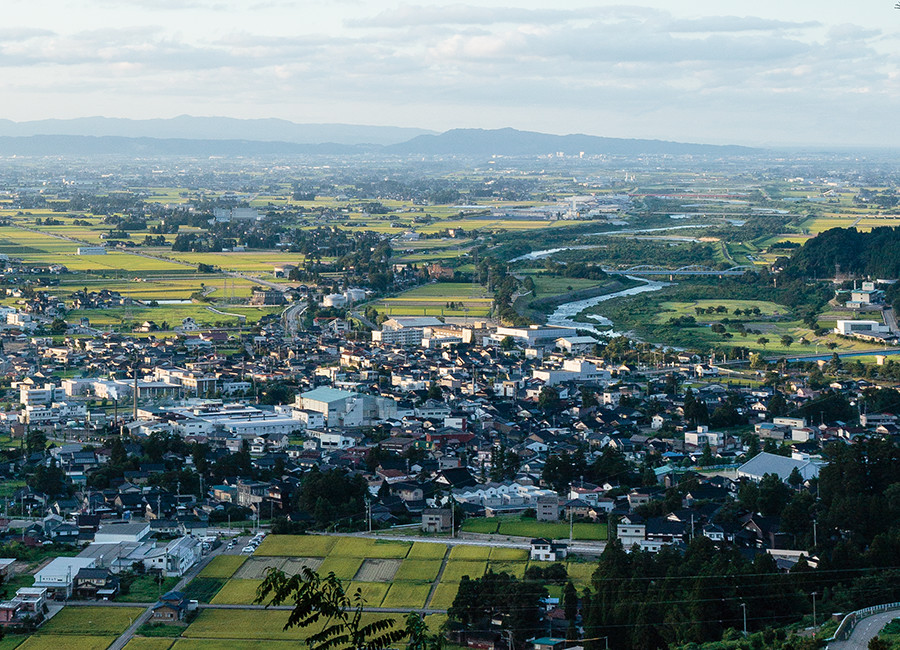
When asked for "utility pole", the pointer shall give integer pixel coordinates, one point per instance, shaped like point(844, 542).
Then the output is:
point(369, 514)
point(815, 537)
point(571, 525)
point(135, 390)
point(815, 632)
point(744, 607)
point(452, 517)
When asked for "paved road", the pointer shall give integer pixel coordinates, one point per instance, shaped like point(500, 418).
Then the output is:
point(890, 319)
point(578, 546)
point(126, 636)
point(866, 630)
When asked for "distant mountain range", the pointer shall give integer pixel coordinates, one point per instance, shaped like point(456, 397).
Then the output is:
point(202, 136)
point(511, 142)
point(187, 127)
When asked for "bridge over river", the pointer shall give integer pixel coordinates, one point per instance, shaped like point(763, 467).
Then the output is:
point(649, 269)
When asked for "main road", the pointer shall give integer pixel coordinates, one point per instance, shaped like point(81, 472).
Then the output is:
point(866, 630)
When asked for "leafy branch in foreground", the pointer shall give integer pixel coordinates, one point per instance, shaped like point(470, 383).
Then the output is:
point(323, 600)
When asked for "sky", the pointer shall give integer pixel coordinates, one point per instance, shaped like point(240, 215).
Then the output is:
point(770, 73)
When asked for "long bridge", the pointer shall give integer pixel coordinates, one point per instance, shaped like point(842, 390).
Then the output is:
point(650, 269)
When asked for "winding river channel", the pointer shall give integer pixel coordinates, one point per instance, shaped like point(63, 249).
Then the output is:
point(564, 315)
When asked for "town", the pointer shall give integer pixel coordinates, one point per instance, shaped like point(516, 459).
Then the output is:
point(439, 418)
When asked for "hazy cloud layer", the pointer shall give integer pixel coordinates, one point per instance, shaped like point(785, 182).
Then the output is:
point(609, 70)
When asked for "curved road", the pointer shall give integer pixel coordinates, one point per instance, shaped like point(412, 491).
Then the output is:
point(866, 630)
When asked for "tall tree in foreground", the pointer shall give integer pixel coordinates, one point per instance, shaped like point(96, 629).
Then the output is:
point(322, 602)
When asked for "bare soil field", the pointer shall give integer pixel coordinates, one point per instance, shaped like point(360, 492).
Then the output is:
point(377, 570)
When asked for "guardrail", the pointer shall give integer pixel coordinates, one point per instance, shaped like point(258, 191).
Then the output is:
point(848, 623)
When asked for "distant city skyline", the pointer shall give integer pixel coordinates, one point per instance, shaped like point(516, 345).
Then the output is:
point(762, 74)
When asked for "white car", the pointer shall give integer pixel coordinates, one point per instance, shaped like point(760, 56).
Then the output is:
point(248, 549)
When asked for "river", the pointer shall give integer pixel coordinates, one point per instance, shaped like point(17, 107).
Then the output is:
point(537, 255)
point(564, 315)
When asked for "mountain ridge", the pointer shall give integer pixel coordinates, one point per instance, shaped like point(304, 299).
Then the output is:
point(348, 139)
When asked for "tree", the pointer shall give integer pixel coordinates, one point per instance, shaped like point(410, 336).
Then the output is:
point(434, 392)
point(35, 442)
point(548, 400)
point(706, 458)
point(117, 454)
point(318, 599)
point(787, 340)
point(570, 601)
point(763, 341)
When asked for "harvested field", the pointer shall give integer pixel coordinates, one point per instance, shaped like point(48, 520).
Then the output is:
point(255, 567)
point(377, 570)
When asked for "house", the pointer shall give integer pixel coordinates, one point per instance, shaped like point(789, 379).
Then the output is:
point(782, 466)
point(171, 608)
point(58, 576)
point(95, 584)
point(547, 508)
point(544, 550)
point(27, 607)
point(631, 530)
point(437, 520)
point(548, 643)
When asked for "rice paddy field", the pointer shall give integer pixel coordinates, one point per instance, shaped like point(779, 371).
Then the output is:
point(439, 299)
point(387, 574)
point(81, 628)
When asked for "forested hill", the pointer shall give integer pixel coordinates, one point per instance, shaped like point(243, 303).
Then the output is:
point(875, 253)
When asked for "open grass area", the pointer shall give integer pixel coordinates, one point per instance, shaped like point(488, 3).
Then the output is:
point(418, 570)
point(222, 566)
point(670, 309)
point(160, 631)
point(580, 573)
point(518, 527)
point(92, 620)
point(237, 592)
point(147, 589)
point(203, 589)
point(297, 545)
point(11, 641)
point(516, 569)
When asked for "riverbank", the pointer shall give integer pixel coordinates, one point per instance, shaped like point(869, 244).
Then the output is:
point(570, 314)
point(539, 310)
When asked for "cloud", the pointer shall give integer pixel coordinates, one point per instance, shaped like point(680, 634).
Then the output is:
point(736, 24)
point(8, 34)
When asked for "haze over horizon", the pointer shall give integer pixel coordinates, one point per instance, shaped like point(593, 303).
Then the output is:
point(772, 74)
